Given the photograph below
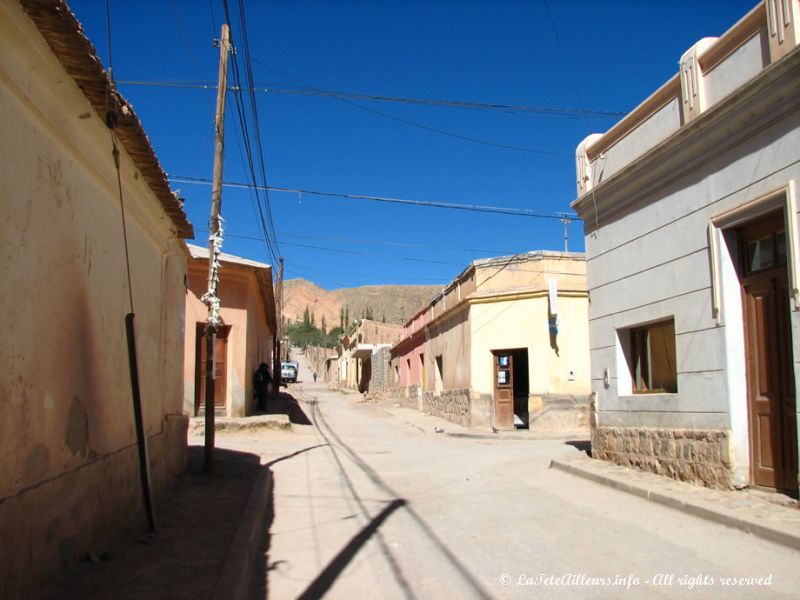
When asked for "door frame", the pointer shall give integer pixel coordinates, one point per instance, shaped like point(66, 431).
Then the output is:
point(727, 308)
point(782, 414)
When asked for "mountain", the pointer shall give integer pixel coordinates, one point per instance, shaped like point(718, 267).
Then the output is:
point(394, 302)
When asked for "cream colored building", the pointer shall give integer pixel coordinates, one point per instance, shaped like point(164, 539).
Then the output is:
point(245, 339)
point(69, 469)
point(355, 353)
point(505, 344)
point(691, 216)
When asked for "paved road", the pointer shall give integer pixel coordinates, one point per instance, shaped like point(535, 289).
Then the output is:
point(369, 506)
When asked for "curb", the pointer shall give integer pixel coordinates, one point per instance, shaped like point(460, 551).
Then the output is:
point(231, 425)
point(695, 508)
point(526, 437)
point(237, 573)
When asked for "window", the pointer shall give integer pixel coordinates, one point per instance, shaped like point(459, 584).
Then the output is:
point(765, 252)
point(652, 358)
point(439, 374)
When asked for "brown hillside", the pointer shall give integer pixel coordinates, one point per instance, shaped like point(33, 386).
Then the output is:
point(395, 302)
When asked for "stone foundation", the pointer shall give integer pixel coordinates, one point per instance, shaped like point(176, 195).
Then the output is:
point(407, 396)
point(702, 456)
point(453, 405)
point(558, 412)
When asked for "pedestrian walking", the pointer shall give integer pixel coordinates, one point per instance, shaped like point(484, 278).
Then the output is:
point(315, 377)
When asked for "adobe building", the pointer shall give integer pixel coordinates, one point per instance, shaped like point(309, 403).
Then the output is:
point(690, 210)
point(245, 339)
point(363, 355)
point(505, 345)
point(69, 467)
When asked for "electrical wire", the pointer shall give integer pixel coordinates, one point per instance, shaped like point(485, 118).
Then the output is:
point(574, 89)
point(263, 209)
point(414, 123)
point(519, 212)
point(267, 88)
point(251, 236)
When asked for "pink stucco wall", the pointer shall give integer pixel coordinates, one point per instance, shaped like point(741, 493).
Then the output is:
point(249, 340)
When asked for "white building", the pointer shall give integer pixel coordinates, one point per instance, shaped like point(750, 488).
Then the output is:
point(690, 210)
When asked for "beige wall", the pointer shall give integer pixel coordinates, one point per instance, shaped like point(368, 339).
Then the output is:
point(523, 323)
point(450, 339)
point(68, 466)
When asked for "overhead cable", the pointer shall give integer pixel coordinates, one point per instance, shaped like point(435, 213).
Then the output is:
point(298, 91)
point(518, 212)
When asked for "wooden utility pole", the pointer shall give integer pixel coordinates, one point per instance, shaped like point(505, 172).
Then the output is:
point(215, 248)
point(277, 358)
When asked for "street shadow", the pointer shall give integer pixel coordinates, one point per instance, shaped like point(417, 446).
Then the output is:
point(477, 590)
point(328, 575)
point(582, 446)
point(197, 517)
point(286, 404)
point(259, 587)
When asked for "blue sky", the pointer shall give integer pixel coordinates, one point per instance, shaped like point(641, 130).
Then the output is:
point(595, 55)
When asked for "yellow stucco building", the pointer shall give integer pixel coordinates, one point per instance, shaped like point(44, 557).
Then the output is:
point(505, 345)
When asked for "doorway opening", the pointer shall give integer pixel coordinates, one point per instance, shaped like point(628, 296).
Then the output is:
point(511, 388)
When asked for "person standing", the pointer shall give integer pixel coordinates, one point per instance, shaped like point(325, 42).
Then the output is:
point(261, 381)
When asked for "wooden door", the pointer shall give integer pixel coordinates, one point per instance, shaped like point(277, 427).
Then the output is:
point(503, 390)
point(220, 369)
point(771, 390)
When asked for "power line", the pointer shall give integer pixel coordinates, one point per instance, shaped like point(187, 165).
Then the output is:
point(277, 89)
point(375, 242)
point(263, 209)
point(413, 123)
point(519, 212)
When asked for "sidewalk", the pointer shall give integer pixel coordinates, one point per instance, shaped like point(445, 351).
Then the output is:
point(209, 526)
point(770, 516)
point(428, 424)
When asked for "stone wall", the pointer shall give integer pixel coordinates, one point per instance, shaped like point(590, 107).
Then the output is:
point(701, 456)
point(379, 379)
point(453, 405)
point(558, 412)
point(407, 395)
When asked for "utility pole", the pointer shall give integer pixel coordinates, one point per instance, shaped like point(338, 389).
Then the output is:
point(566, 221)
point(215, 249)
point(276, 346)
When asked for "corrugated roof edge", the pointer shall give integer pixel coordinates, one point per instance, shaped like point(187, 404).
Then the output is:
point(64, 34)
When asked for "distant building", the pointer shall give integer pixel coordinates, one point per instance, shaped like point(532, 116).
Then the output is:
point(504, 345)
point(690, 210)
point(245, 340)
point(69, 468)
point(356, 368)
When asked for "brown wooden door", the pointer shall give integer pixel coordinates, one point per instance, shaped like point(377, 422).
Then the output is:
point(220, 369)
point(771, 390)
point(503, 390)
